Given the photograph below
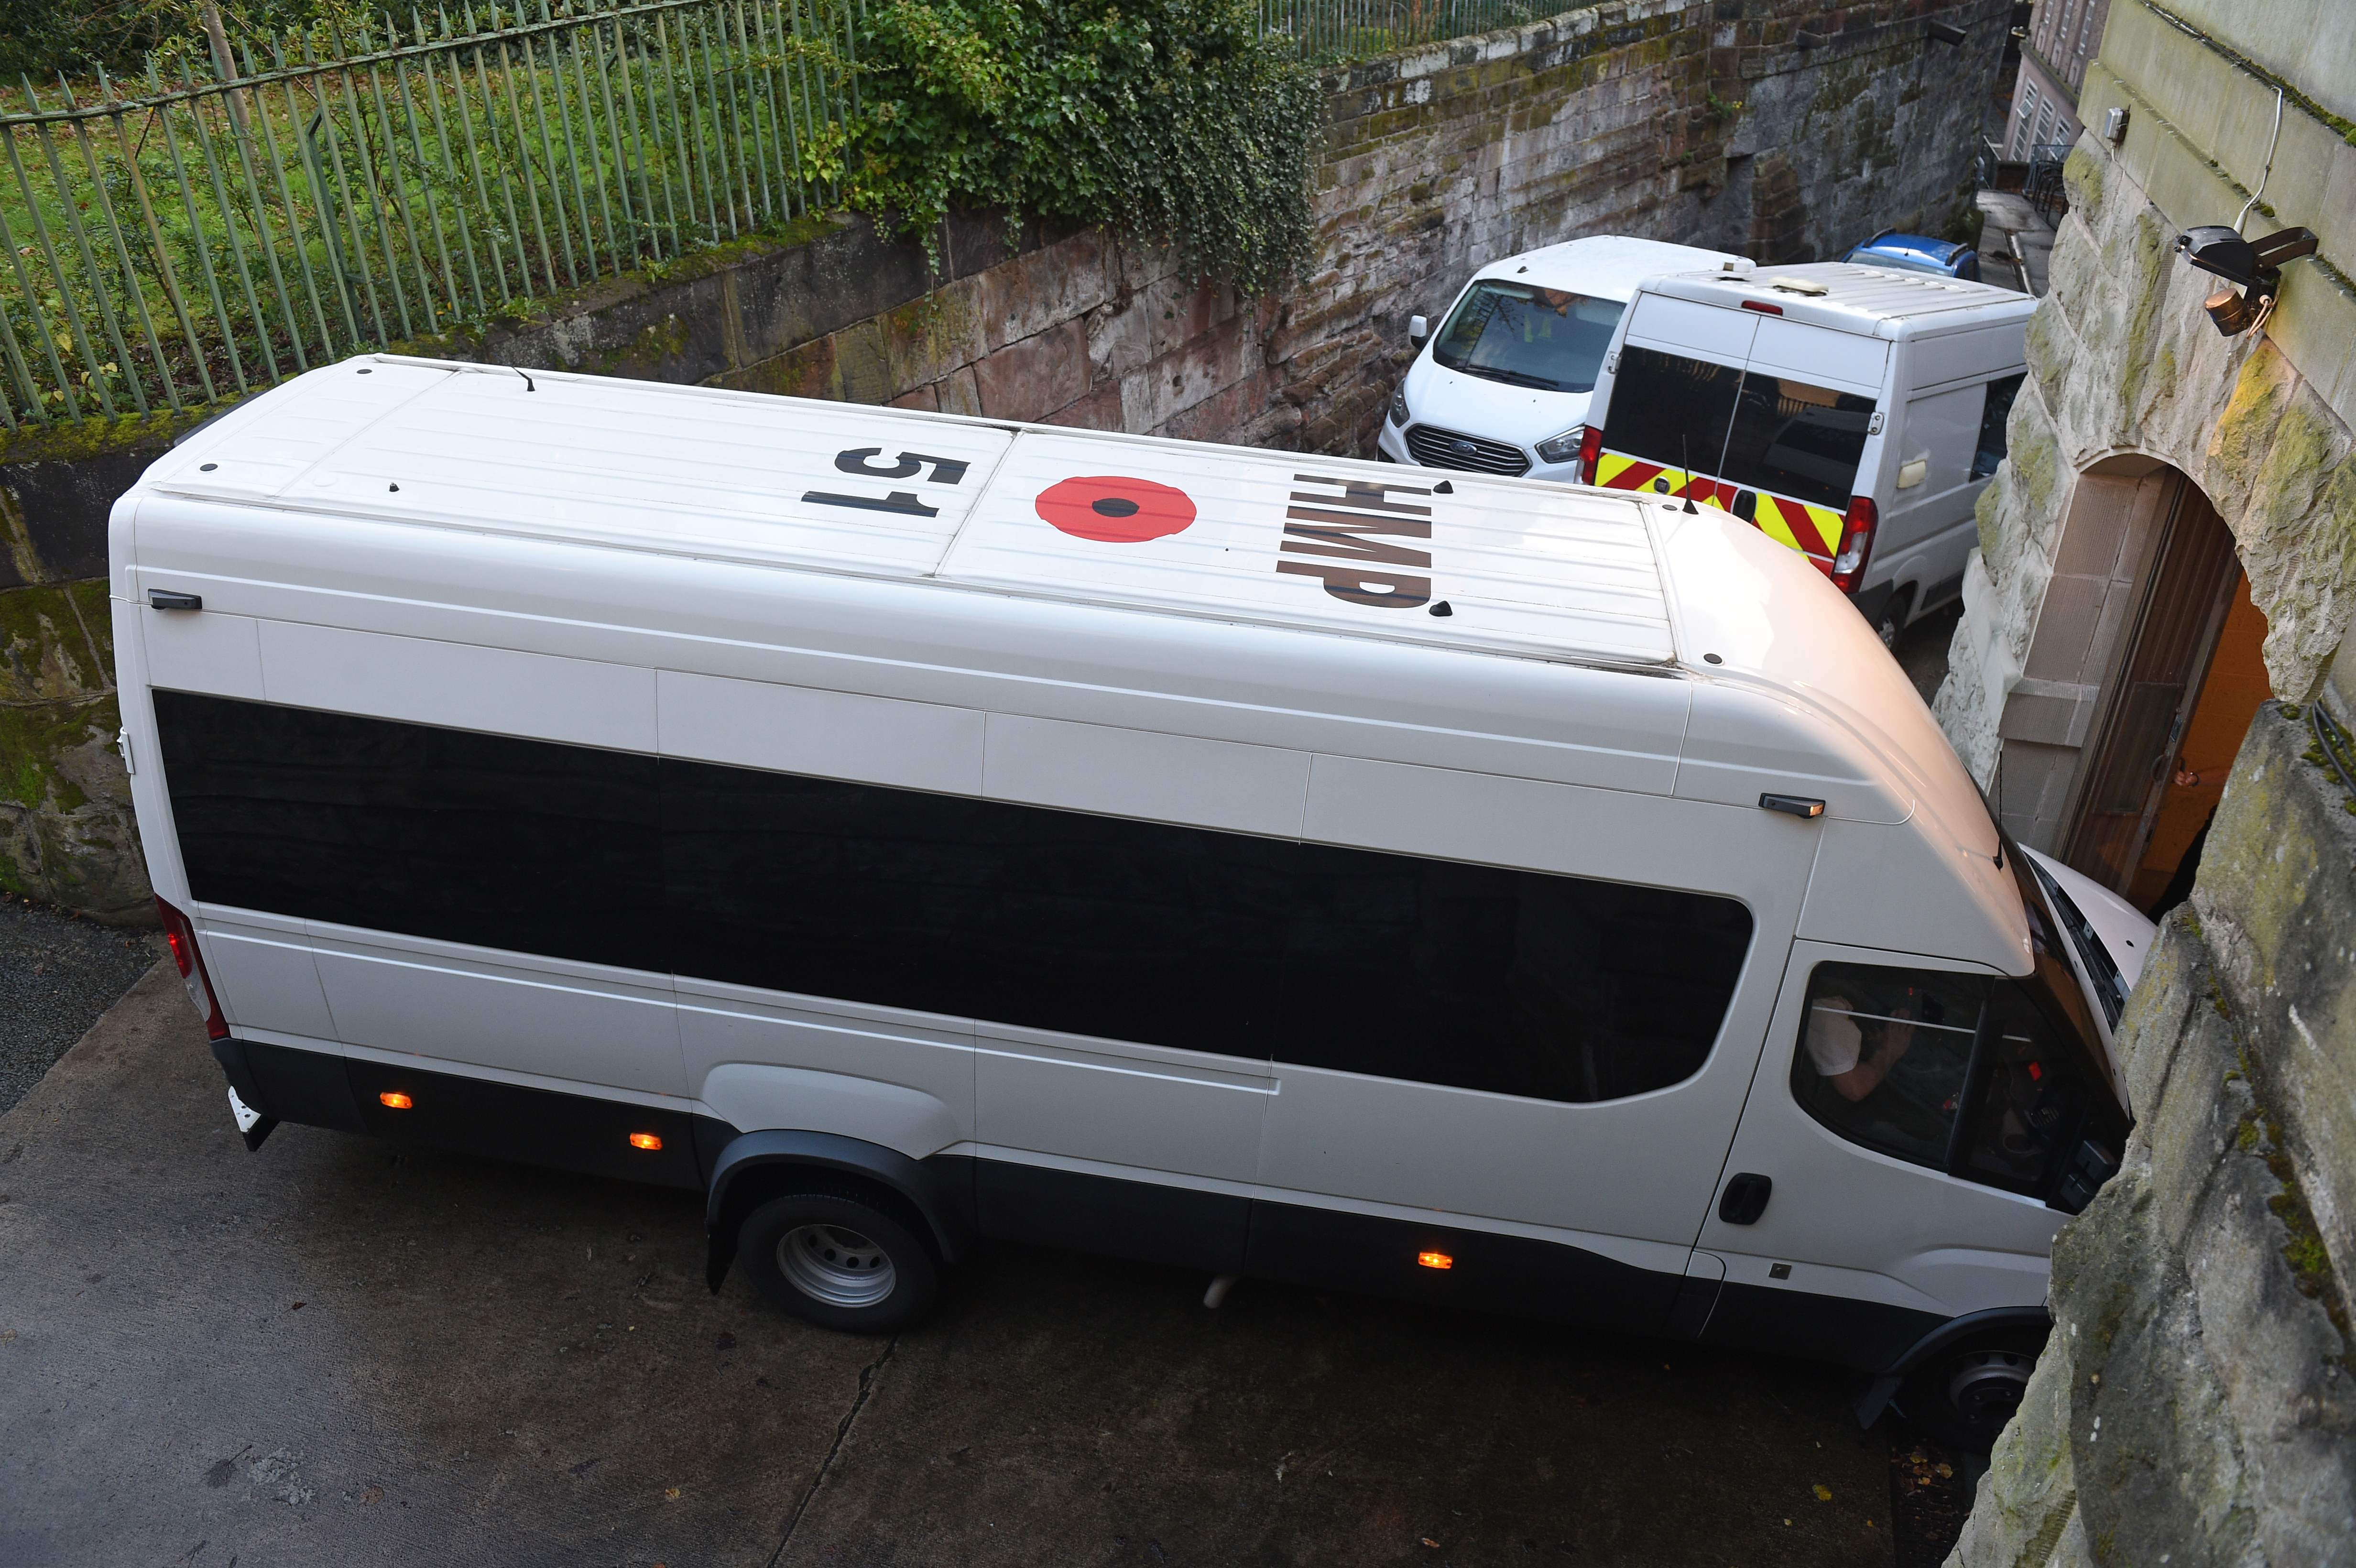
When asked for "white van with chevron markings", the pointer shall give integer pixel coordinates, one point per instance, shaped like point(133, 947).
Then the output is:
point(1850, 413)
point(909, 830)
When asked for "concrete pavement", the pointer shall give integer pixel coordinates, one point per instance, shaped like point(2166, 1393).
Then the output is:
point(334, 1351)
point(57, 973)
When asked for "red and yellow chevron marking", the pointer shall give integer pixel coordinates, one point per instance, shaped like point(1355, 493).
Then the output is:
point(1815, 531)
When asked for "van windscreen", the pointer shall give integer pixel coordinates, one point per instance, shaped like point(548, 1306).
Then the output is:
point(1670, 409)
point(1528, 336)
point(1797, 440)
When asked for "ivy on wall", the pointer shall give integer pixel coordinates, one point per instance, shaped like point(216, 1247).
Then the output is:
point(1172, 122)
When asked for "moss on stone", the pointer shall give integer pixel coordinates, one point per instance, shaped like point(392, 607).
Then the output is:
point(2082, 177)
point(2147, 276)
point(34, 737)
point(2036, 460)
point(67, 440)
point(44, 657)
point(2303, 1248)
point(2244, 427)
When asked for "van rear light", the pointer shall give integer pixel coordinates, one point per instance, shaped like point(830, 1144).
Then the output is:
point(1855, 546)
point(182, 936)
point(1591, 453)
point(1762, 308)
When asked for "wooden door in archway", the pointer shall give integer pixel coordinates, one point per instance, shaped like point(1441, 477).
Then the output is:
point(2189, 592)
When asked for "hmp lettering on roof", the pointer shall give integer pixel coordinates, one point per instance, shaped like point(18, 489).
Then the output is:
point(1360, 568)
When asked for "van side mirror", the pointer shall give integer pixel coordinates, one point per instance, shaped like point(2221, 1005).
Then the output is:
point(1418, 329)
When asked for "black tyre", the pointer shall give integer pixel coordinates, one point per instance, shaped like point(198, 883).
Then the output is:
point(1892, 619)
point(1964, 1399)
point(839, 1259)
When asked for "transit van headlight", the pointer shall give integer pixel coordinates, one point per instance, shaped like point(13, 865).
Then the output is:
point(1563, 448)
point(1399, 406)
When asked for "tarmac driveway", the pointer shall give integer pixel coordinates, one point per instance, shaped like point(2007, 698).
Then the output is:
point(336, 1352)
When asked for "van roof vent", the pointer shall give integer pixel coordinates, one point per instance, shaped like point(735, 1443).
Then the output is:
point(1797, 286)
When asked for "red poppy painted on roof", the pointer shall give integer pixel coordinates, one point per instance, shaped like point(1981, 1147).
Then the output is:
point(1116, 510)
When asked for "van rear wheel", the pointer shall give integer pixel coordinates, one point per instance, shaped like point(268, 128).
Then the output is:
point(839, 1260)
point(1892, 619)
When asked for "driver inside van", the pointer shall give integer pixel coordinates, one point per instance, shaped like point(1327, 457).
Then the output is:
point(1854, 1052)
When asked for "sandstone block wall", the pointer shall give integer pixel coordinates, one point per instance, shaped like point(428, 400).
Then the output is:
point(2197, 1403)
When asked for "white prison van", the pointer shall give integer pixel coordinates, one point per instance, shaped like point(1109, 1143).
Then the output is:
point(1852, 413)
point(909, 830)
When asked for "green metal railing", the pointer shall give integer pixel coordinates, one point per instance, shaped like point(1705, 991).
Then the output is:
point(202, 237)
point(1331, 32)
point(189, 238)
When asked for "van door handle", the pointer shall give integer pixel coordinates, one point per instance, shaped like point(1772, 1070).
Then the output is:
point(1745, 1200)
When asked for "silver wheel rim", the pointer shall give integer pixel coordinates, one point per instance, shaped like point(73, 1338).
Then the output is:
point(835, 1266)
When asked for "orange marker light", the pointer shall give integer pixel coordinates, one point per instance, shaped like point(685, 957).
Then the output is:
point(644, 1141)
point(1435, 1260)
point(396, 1100)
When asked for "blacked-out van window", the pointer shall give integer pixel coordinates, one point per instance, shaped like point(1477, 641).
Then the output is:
point(405, 827)
point(1796, 439)
point(1668, 409)
point(1472, 976)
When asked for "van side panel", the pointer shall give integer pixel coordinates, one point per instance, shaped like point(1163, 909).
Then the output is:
point(1632, 1175)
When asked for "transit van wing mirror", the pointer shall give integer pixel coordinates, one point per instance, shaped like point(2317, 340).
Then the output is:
point(1418, 329)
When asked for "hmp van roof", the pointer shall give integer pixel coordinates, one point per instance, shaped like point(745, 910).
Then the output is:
point(1507, 626)
point(826, 487)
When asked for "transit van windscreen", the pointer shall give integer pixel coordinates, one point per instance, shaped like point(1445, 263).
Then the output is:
point(1528, 336)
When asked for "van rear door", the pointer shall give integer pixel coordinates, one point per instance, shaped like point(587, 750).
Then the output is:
point(1763, 418)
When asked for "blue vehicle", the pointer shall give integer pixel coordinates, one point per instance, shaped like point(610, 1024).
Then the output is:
point(1919, 253)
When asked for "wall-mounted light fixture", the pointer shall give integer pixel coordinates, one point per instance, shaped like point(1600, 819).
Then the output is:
point(2252, 269)
point(1945, 33)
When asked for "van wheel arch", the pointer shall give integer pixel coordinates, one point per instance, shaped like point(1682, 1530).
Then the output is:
point(757, 1166)
point(2000, 1345)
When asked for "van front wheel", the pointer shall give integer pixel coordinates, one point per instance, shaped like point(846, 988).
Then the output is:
point(1963, 1400)
point(838, 1261)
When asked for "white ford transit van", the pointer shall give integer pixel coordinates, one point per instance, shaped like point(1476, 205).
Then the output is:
point(908, 831)
point(1852, 413)
point(1502, 387)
